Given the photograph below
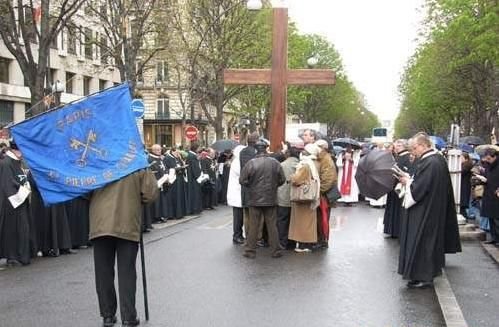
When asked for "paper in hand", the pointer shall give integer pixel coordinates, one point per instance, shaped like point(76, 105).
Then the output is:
point(17, 199)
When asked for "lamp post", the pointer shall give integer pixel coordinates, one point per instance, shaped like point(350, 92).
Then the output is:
point(312, 61)
point(57, 89)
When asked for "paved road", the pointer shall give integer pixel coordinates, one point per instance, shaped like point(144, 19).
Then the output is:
point(198, 278)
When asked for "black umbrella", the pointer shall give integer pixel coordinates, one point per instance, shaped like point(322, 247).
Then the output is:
point(346, 141)
point(472, 140)
point(222, 145)
point(374, 174)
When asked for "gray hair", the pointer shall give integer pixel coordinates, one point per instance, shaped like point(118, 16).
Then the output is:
point(402, 142)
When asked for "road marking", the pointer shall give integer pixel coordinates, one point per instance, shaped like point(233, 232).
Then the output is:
point(174, 222)
point(338, 223)
point(448, 303)
point(219, 223)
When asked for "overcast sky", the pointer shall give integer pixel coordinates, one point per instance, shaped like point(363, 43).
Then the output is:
point(374, 38)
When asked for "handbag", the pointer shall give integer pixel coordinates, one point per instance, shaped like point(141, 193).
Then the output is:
point(333, 194)
point(306, 192)
point(478, 191)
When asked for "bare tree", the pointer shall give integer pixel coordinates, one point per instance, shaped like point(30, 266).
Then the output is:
point(133, 33)
point(215, 34)
point(27, 29)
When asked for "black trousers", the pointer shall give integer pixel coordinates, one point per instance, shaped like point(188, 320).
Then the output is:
point(494, 228)
point(283, 217)
point(106, 250)
point(237, 222)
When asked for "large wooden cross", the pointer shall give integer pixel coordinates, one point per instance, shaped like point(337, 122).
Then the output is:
point(279, 77)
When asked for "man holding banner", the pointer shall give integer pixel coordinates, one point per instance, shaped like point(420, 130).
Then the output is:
point(93, 146)
point(115, 227)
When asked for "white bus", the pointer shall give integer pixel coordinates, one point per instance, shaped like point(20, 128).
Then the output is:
point(380, 135)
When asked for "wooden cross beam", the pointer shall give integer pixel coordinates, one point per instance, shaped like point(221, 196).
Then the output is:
point(279, 77)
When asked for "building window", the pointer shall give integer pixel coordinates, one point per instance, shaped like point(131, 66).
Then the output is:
point(53, 42)
point(102, 84)
point(6, 112)
point(162, 71)
point(88, 44)
point(81, 38)
point(72, 37)
point(64, 35)
point(97, 47)
point(139, 66)
point(104, 50)
point(163, 107)
point(69, 82)
point(4, 70)
point(52, 76)
point(86, 85)
point(164, 135)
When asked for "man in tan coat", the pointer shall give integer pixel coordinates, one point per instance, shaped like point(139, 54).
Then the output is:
point(115, 226)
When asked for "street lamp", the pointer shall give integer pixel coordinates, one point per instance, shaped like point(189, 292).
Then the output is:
point(254, 4)
point(57, 89)
point(312, 61)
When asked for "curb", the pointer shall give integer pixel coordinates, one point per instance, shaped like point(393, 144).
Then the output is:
point(174, 222)
point(448, 303)
point(492, 250)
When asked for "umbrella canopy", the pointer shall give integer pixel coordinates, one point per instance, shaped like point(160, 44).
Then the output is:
point(438, 141)
point(466, 147)
point(222, 145)
point(374, 174)
point(338, 149)
point(472, 140)
point(346, 141)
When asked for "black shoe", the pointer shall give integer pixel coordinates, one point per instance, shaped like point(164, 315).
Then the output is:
point(51, 253)
point(238, 240)
point(490, 242)
point(12, 263)
point(109, 321)
point(68, 251)
point(128, 323)
point(277, 254)
point(420, 285)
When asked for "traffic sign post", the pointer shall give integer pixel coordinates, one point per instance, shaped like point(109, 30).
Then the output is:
point(191, 133)
point(138, 109)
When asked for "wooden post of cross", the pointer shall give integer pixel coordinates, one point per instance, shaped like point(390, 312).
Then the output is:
point(279, 77)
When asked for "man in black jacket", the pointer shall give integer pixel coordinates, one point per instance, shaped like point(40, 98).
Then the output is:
point(262, 176)
point(490, 200)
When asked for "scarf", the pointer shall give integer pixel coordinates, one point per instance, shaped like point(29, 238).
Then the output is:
point(309, 160)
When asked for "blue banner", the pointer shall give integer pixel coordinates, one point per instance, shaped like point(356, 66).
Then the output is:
point(83, 145)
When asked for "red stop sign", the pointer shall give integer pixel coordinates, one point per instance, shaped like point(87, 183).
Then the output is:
point(4, 133)
point(191, 133)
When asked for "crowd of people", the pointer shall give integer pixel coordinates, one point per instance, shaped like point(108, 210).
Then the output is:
point(199, 179)
point(282, 200)
point(32, 230)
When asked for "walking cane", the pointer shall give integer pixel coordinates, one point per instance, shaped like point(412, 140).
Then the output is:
point(144, 280)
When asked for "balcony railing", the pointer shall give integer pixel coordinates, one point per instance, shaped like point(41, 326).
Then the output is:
point(161, 115)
